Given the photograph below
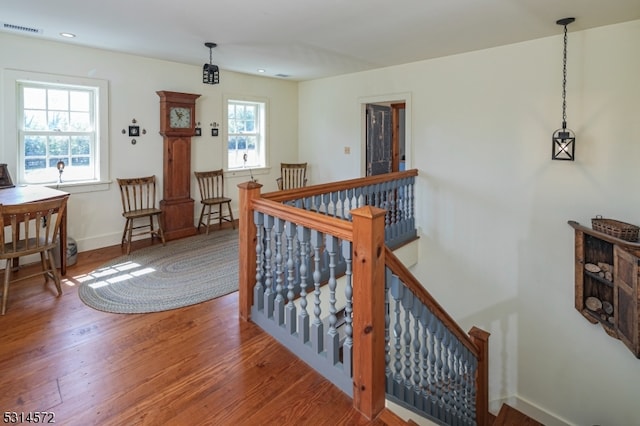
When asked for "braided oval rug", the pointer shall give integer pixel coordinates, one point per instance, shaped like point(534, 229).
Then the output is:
point(159, 278)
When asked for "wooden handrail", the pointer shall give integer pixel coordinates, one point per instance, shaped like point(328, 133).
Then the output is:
point(398, 268)
point(325, 224)
point(292, 194)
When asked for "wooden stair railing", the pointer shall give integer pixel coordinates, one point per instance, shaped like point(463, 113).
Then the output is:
point(476, 341)
point(370, 258)
point(393, 192)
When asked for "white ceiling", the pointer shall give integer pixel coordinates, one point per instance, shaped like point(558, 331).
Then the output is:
point(305, 39)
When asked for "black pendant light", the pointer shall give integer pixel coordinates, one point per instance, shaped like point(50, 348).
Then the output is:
point(564, 140)
point(210, 72)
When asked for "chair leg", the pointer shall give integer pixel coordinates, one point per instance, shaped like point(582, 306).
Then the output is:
point(54, 272)
point(151, 229)
point(124, 233)
point(204, 206)
point(129, 236)
point(160, 231)
point(5, 291)
point(233, 224)
point(208, 223)
point(43, 263)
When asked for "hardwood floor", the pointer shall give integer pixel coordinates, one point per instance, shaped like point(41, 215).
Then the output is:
point(198, 365)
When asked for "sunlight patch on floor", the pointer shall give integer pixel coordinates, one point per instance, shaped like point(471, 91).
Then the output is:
point(115, 273)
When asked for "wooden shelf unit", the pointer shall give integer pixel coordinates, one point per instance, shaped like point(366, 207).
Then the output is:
point(622, 292)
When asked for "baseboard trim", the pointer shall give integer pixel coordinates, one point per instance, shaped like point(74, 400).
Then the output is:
point(530, 409)
point(112, 239)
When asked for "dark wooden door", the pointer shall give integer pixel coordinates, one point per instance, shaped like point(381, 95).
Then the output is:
point(379, 140)
point(625, 298)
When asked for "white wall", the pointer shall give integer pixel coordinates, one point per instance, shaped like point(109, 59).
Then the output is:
point(492, 208)
point(95, 218)
point(496, 250)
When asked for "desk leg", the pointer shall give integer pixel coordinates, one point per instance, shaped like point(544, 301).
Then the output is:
point(63, 243)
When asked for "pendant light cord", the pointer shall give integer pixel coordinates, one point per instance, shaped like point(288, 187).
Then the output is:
point(564, 81)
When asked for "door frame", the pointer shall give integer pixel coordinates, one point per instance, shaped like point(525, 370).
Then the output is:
point(390, 100)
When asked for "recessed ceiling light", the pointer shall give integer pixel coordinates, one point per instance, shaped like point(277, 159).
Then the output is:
point(68, 35)
point(261, 70)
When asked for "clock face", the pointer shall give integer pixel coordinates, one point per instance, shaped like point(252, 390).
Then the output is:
point(180, 118)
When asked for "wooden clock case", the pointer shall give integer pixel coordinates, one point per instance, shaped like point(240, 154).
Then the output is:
point(177, 205)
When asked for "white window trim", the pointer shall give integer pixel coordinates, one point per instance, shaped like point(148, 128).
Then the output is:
point(9, 149)
point(225, 134)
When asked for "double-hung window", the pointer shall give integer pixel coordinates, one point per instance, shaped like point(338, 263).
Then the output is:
point(61, 132)
point(246, 134)
point(58, 129)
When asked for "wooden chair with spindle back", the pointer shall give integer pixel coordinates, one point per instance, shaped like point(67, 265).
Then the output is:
point(139, 202)
point(211, 184)
point(32, 228)
point(292, 175)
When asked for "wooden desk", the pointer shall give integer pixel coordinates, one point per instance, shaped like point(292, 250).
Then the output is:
point(34, 193)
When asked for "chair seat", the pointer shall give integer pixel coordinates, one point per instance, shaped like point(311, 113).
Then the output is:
point(21, 249)
point(218, 200)
point(141, 213)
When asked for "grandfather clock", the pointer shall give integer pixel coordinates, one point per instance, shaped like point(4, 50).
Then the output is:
point(177, 126)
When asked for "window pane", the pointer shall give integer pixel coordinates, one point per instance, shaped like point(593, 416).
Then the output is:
point(251, 142)
point(35, 98)
point(59, 145)
point(35, 120)
point(58, 120)
point(80, 161)
point(80, 145)
point(53, 162)
point(80, 101)
point(35, 145)
point(58, 99)
point(31, 164)
point(81, 121)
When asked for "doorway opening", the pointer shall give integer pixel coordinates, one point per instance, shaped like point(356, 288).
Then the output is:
point(385, 137)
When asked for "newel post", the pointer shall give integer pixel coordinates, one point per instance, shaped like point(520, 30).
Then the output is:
point(481, 339)
point(247, 191)
point(368, 310)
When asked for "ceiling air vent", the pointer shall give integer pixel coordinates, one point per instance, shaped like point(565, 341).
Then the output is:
point(283, 75)
point(20, 28)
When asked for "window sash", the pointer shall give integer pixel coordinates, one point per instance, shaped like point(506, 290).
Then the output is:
point(246, 125)
point(64, 130)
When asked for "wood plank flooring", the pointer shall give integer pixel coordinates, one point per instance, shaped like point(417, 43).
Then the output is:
point(199, 365)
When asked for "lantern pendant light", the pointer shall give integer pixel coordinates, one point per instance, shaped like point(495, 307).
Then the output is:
point(564, 140)
point(210, 72)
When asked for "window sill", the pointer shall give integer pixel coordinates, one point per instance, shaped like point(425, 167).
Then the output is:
point(248, 172)
point(80, 187)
